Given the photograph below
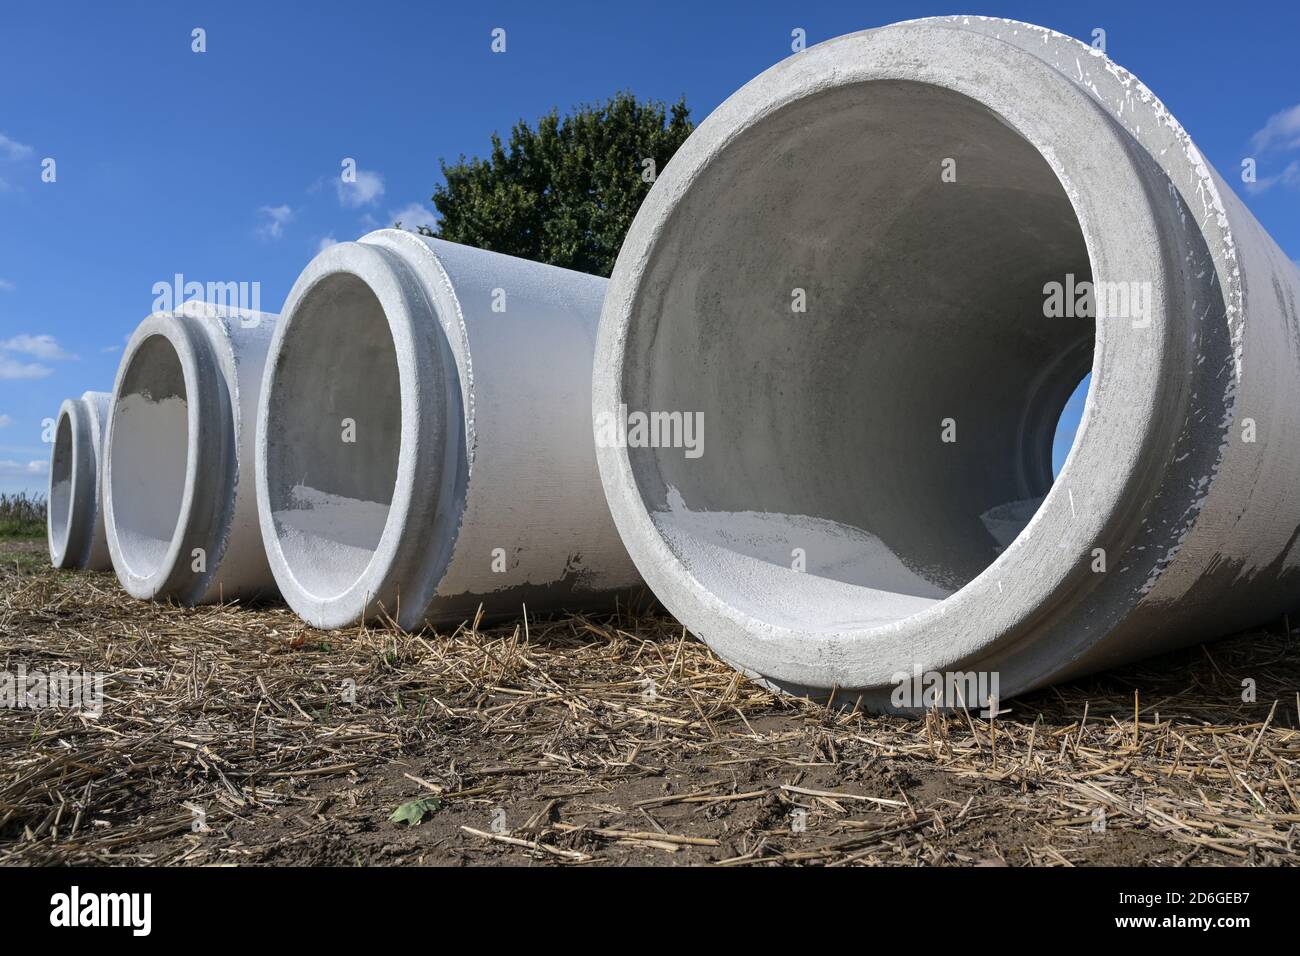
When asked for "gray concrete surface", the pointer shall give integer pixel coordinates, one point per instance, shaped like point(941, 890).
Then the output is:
point(424, 447)
point(179, 501)
point(74, 516)
point(874, 496)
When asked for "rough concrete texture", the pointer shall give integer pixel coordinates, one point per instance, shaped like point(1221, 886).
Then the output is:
point(424, 445)
point(74, 517)
point(179, 501)
point(875, 495)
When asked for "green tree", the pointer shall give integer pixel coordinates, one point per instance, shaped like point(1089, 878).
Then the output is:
point(565, 192)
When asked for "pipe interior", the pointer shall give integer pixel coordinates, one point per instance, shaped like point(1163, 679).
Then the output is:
point(825, 497)
point(150, 455)
point(60, 503)
point(330, 483)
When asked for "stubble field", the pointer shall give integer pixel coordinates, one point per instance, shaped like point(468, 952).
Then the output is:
point(233, 735)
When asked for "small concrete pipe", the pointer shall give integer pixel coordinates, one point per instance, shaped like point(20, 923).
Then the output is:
point(424, 446)
point(179, 501)
point(74, 516)
point(859, 273)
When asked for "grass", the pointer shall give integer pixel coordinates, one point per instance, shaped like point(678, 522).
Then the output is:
point(26, 555)
point(24, 559)
point(22, 515)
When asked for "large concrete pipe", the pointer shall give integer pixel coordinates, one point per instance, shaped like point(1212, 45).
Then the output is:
point(179, 501)
point(424, 445)
point(73, 515)
point(852, 273)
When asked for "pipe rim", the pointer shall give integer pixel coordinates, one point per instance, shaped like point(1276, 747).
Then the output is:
point(71, 547)
point(206, 452)
point(868, 657)
point(394, 570)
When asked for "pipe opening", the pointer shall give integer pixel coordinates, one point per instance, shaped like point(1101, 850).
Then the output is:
point(150, 453)
point(336, 421)
point(851, 298)
point(1068, 424)
point(60, 502)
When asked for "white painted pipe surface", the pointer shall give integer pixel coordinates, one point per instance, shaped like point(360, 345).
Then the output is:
point(179, 500)
point(423, 444)
point(848, 272)
point(74, 516)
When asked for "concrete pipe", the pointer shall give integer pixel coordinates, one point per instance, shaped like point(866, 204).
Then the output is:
point(74, 518)
point(424, 446)
point(876, 273)
point(179, 501)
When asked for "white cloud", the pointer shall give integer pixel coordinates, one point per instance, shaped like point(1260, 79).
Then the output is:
point(9, 369)
point(1282, 131)
point(369, 186)
point(6, 286)
point(412, 215)
point(1290, 176)
point(13, 469)
point(43, 347)
point(6, 421)
point(325, 243)
point(37, 346)
point(12, 149)
point(273, 221)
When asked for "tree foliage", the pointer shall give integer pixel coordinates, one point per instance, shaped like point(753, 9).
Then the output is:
point(565, 192)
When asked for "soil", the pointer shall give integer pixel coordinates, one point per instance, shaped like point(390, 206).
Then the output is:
point(234, 735)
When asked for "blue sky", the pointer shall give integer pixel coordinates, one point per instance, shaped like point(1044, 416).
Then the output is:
point(224, 166)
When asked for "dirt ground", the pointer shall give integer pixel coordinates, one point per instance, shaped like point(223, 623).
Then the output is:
point(240, 736)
